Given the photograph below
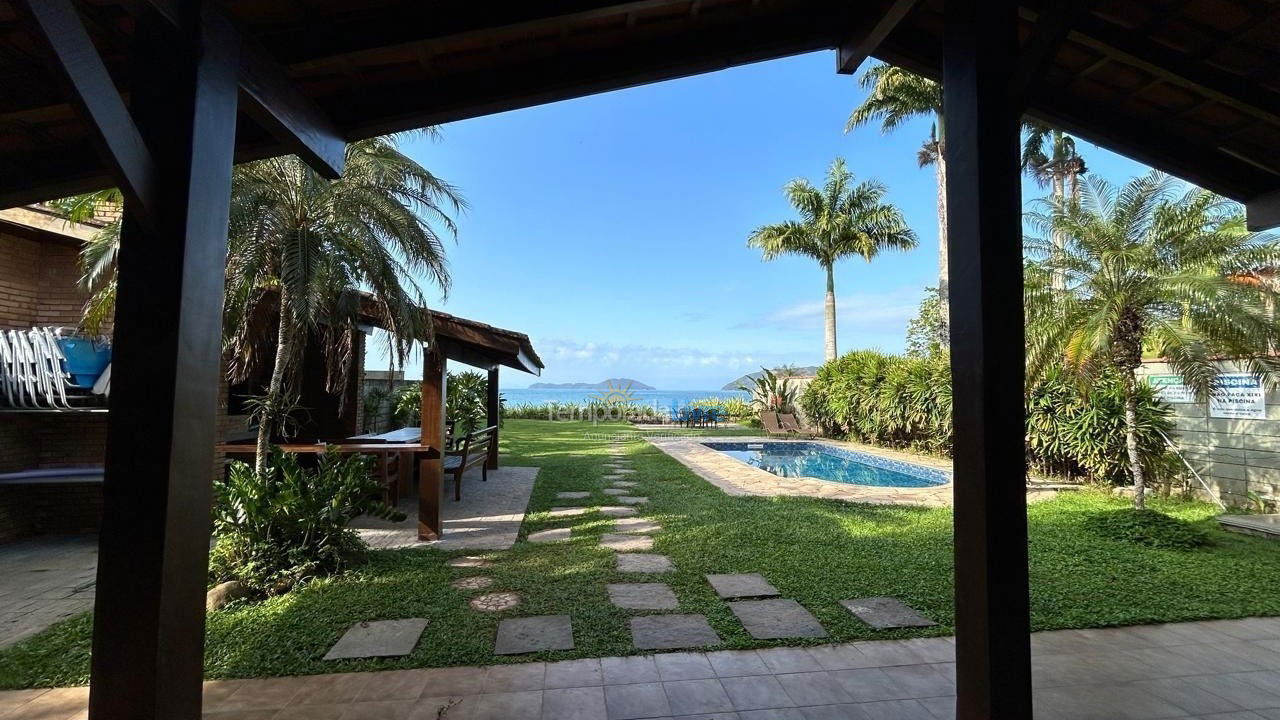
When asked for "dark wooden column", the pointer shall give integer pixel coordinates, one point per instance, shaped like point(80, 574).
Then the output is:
point(493, 411)
point(153, 549)
point(431, 472)
point(993, 657)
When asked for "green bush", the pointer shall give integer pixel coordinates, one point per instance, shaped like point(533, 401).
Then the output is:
point(902, 401)
point(466, 402)
point(290, 524)
point(736, 408)
point(1147, 527)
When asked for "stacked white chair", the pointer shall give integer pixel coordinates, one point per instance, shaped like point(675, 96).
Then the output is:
point(33, 372)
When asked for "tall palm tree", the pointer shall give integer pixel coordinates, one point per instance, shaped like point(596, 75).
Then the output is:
point(896, 96)
point(1049, 157)
point(839, 220)
point(1150, 265)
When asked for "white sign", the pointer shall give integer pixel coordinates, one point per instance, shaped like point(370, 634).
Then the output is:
point(1238, 395)
point(1171, 389)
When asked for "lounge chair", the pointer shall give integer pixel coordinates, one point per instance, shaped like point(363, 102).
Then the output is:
point(791, 424)
point(769, 419)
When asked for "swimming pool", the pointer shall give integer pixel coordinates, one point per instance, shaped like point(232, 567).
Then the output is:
point(827, 462)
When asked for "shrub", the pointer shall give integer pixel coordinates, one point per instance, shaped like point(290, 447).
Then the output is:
point(290, 524)
point(466, 402)
point(732, 407)
point(1147, 527)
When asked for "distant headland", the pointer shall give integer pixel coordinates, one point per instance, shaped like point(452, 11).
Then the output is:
point(617, 383)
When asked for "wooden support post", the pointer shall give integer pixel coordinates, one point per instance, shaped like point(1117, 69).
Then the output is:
point(148, 634)
point(993, 656)
point(493, 415)
point(431, 471)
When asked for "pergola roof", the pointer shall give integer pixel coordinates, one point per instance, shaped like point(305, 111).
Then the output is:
point(471, 342)
point(1188, 86)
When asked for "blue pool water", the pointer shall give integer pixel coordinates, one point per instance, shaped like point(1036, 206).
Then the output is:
point(827, 462)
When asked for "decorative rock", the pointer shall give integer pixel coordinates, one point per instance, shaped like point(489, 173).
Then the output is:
point(576, 495)
point(222, 594)
point(776, 618)
point(741, 586)
point(642, 596)
point(479, 582)
point(567, 511)
point(635, 525)
point(468, 561)
point(626, 543)
point(531, 634)
point(495, 602)
point(644, 563)
point(615, 491)
point(630, 500)
point(380, 638)
point(546, 536)
point(670, 632)
point(883, 613)
point(616, 511)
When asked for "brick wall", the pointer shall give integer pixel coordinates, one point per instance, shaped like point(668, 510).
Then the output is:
point(51, 509)
point(19, 259)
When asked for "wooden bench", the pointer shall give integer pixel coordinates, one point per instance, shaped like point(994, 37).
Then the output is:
point(475, 451)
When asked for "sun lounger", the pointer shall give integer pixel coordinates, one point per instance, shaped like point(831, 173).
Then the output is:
point(792, 425)
point(769, 419)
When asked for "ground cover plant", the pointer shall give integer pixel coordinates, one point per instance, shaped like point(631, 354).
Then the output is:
point(816, 551)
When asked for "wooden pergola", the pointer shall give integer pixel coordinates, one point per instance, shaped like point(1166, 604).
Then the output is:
point(159, 97)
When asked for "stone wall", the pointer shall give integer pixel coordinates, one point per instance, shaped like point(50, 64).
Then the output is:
point(1236, 457)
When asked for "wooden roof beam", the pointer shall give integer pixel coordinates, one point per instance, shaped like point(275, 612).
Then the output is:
point(1051, 29)
point(1263, 212)
point(858, 47)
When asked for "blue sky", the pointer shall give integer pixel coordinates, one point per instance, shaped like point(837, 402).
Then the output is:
point(612, 229)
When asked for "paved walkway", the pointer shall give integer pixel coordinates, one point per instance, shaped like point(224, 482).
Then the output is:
point(45, 579)
point(1225, 670)
point(487, 518)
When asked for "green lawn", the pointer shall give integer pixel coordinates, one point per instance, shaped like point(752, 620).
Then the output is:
point(815, 551)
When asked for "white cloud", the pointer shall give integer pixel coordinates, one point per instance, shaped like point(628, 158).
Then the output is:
point(871, 312)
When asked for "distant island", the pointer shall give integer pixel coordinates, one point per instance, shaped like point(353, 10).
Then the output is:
point(616, 383)
point(746, 379)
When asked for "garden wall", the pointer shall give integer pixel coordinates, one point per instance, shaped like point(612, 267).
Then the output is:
point(1237, 456)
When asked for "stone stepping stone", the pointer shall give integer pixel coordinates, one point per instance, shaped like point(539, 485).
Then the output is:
point(616, 511)
point(378, 638)
point(575, 495)
point(533, 634)
point(777, 618)
point(479, 582)
point(626, 543)
point(549, 536)
point(556, 512)
point(671, 632)
point(469, 561)
point(635, 525)
point(885, 613)
point(623, 471)
point(742, 586)
point(495, 602)
point(642, 596)
point(630, 500)
point(615, 491)
point(624, 483)
point(644, 563)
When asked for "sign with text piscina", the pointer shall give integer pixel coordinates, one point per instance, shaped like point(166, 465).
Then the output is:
point(1238, 395)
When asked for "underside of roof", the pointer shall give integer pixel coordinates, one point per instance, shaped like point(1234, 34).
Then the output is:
point(1188, 86)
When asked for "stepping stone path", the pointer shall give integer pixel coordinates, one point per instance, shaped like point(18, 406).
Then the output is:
point(642, 596)
point(615, 511)
point(576, 495)
point(776, 618)
point(623, 471)
point(615, 491)
point(626, 543)
point(671, 632)
point(644, 563)
point(547, 536)
point(495, 602)
point(469, 561)
point(629, 500)
point(742, 586)
point(635, 525)
point(380, 638)
point(567, 511)
point(479, 582)
point(624, 483)
point(533, 634)
point(884, 613)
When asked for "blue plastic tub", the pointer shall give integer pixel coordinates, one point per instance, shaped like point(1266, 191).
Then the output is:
point(86, 360)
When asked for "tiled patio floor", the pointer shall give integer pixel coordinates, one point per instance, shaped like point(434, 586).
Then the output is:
point(1225, 670)
point(44, 580)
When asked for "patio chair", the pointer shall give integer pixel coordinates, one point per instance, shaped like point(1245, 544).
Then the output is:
point(769, 419)
point(475, 451)
point(791, 424)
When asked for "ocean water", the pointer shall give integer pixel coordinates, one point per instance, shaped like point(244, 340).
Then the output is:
point(661, 399)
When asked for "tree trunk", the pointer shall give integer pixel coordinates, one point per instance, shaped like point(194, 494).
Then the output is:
point(944, 271)
point(1131, 440)
point(1059, 240)
point(830, 344)
point(275, 390)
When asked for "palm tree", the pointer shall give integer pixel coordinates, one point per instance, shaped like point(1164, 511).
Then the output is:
point(1049, 157)
point(897, 96)
point(1150, 265)
point(839, 220)
point(310, 253)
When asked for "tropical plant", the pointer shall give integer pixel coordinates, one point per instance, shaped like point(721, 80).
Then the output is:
point(373, 407)
point(925, 329)
point(895, 96)
point(839, 220)
point(731, 407)
point(407, 406)
point(1049, 157)
point(1150, 264)
point(98, 256)
point(771, 392)
point(280, 528)
point(467, 401)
